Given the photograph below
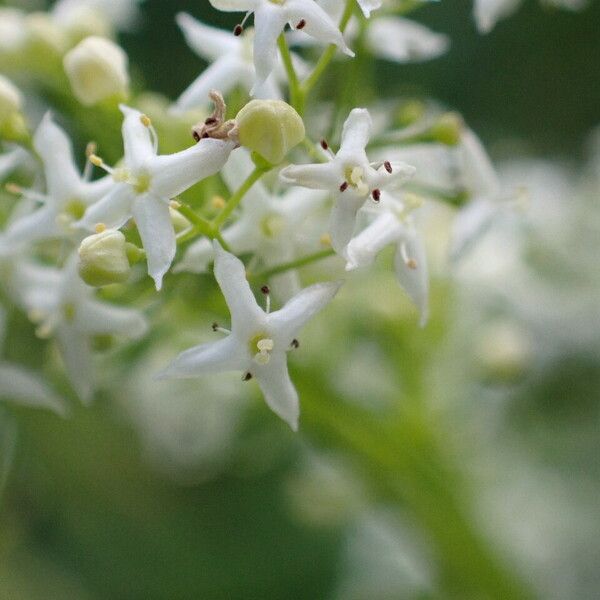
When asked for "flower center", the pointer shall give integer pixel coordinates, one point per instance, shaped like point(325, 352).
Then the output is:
point(140, 182)
point(272, 226)
point(261, 348)
point(74, 208)
point(355, 177)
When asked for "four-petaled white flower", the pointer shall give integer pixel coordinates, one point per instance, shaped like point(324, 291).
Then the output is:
point(349, 177)
point(146, 182)
point(231, 61)
point(259, 342)
point(271, 17)
point(64, 307)
point(68, 193)
point(395, 225)
point(271, 227)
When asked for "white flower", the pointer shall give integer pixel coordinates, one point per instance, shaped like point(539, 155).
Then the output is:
point(259, 342)
point(146, 182)
point(488, 12)
point(11, 99)
point(67, 196)
point(20, 385)
point(270, 227)
point(119, 14)
point(349, 177)
point(396, 226)
point(12, 30)
point(231, 61)
point(65, 308)
point(14, 159)
point(270, 18)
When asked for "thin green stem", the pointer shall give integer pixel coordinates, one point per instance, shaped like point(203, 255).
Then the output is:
point(200, 225)
point(327, 56)
point(238, 196)
point(294, 264)
point(296, 97)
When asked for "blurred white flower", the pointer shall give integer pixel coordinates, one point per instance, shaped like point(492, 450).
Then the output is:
point(259, 341)
point(146, 182)
point(118, 14)
point(14, 159)
point(270, 19)
point(349, 177)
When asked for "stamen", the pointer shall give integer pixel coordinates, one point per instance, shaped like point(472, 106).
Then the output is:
point(344, 186)
point(147, 122)
point(376, 193)
point(388, 166)
point(324, 145)
point(100, 228)
point(301, 24)
point(175, 204)
point(411, 263)
point(98, 162)
point(238, 30)
point(17, 190)
point(325, 240)
point(217, 328)
point(196, 135)
point(218, 202)
point(295, 344)
point(88, 169)
point(267, 292)
point(247, 376)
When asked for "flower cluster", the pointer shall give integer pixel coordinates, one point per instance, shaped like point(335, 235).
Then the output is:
point(76, 240)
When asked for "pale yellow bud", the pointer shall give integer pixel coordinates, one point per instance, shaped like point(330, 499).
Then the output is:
point(10, 100)
point(97, 70)
point(271, 128)
point(103, 258)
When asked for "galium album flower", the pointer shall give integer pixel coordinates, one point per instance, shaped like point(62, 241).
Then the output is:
point(145, 184)
point(270, 19)
point(259, 341)
point(68, 193)
point(349, 177)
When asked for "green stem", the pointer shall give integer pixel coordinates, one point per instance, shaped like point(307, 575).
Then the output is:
point(238, 196)
point(200, 225)
point(8, 442)
point(296, 96)
point(327, 56)
point(294, 264)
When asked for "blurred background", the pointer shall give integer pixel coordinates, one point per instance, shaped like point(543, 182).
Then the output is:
point(455, 461)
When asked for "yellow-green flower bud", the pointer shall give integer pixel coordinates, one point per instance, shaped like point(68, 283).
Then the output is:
point(97, 70)
point(447, 129)
point(103, 259)
point(271, 128)
point(10, 100)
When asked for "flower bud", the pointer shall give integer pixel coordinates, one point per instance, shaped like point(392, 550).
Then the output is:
point(103, 258)
point(271, 128)
point(10, 99)
point(97, 70)
point(447, 129)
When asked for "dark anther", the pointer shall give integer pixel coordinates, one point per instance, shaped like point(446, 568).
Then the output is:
point(247, 377)
point(210, 121)
point(196, 135)
point(215, 326)
point(301, 24)
point(376, 195)
point(344, 186)
point(238, 30)
point(265, 290)
point(324, 145)
point(388, 166)
point(295, 344)
point(205, 135)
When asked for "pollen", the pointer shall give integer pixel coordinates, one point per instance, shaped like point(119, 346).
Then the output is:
point(100, 228)
point(96, 160)
point(146, 120)
point(218, 202)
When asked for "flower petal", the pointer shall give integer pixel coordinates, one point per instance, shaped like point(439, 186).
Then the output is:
point(279, 391)
point(369, 5)
point(137, 140)
point(56, 151)
point(77, 356)
point(269, 21)
point(342, 222)
point(314, 176)
point(479, 173)
point(234, 5)
point(209, 43)
point(100, 318)
point(39, 225)
point(357, 131)
point(114, 210)
point(174, 173)
point(470, 224)
point(224, 355)
point(153, 221)
point(231, 277)
point(286, 322)
point(488, 12)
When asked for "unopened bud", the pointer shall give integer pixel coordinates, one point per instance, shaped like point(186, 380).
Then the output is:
point(97, 70)
point(10, 100)
point(271, 128)
point(103, 258)
point(447, 130)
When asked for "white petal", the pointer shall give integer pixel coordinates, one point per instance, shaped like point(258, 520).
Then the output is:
point(342, 222)
point(269, 21)
point(470, 224)
point(318, 23)
point(114, 210)
point(174, 173)
point(315, 176)
point(224, 355)
point(100, 318)
point(137, 140)
point(153, 220)
point(401, 40)
point(210, 43)
point(382, 180)
point(77, 356)
point(357, 131)
point(488, 12)
point(95, 190)
point(55, 149)
point(14, 159)
point(279, 391)
point(223, 75)
point(286, 322)
point(480, 176)
point(414, 281)
point(19, 385)
point(231, 277)
point(234, 5)
point(369, 5)
point(364, 248)
point(39, 225)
